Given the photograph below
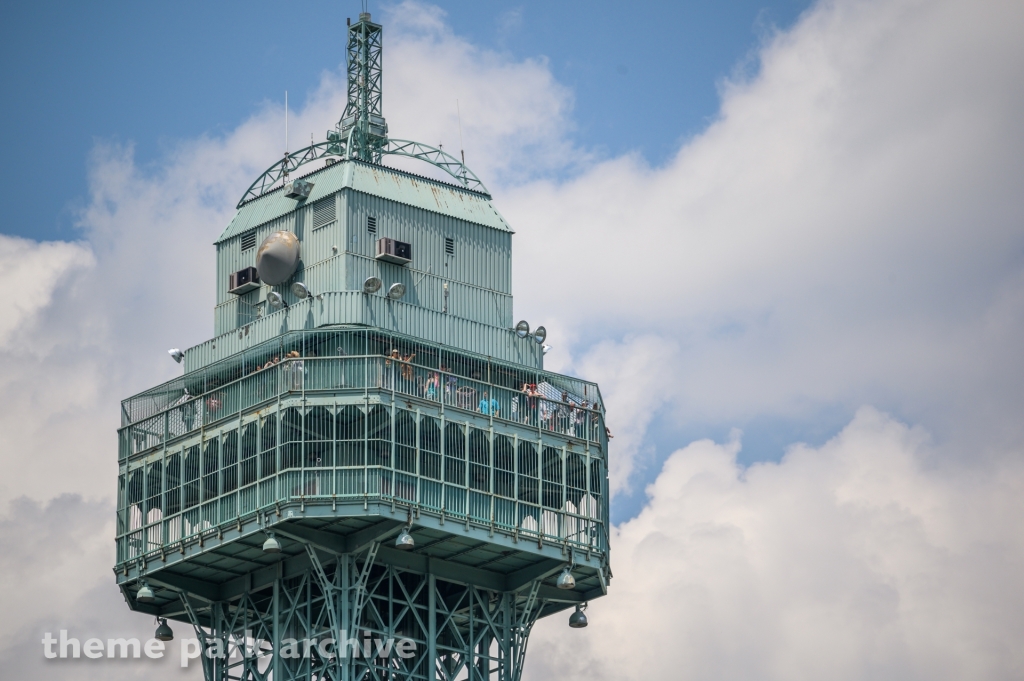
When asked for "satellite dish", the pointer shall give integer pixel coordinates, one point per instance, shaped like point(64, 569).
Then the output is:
point(523, 329)
point(276, 300)
point(396, 291)
point(371, 285)
point(300, 290)
point(277, 258)
point(540, 334)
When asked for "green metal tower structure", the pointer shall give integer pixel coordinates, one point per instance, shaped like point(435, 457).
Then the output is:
point(351, 470)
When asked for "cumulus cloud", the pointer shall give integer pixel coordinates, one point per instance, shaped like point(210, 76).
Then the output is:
point(864, 558)
point(846, 232)
point(30, 272)
point(56, 561)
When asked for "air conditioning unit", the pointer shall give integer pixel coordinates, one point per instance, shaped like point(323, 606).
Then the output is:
point(299, 189)
point(243, 281)
point(391, 250)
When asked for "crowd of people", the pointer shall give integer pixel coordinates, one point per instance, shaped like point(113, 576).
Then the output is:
point(531, 405)
point(568, 415)
point(291, 354)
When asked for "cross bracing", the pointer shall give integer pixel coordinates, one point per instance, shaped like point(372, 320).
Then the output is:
point(338, 148)
point(362, 124)
point(345, 613)
point(362, 132)
point(321, 446)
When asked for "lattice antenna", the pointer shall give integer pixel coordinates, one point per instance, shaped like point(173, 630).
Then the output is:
point(362, 128)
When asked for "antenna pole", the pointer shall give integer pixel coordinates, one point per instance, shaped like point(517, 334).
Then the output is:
point(285, 122)
point(462, 148)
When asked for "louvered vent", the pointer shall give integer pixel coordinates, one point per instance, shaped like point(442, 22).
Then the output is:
point(449, 246)
point(249, 240)
point(324, 213)
point(371, 224)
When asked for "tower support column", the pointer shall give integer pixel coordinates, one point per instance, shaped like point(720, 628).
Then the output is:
point(345, 618)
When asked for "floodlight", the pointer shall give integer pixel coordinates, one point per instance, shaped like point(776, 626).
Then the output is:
point(404, 541)
point(176, 354)
point(300, 290)
point(566, 580)
point(371, 285)
point(578, 620)
point(540, 334)
point(396, 291)
point(276, 300)
point(271, 545)
point(523, 329)
point(544, 349)
point(145, 594)
point(164, 632)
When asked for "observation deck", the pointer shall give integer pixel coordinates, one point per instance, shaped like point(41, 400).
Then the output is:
point(325, 426)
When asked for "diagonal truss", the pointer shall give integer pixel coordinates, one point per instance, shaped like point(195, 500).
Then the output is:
point(460, 631)
point(362, 133)
point(338, 148)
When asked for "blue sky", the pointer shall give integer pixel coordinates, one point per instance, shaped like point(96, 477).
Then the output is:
point(644, 76)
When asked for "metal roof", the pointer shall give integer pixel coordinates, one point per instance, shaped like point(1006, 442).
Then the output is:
point(387, 183)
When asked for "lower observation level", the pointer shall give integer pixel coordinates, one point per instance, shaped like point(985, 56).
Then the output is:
point(333, 440)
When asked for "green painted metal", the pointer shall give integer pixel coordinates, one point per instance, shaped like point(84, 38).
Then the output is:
point(351, 308)
point(362, 124)
point(361, 133)
point(342, 419)
point(274, 177)
point(376, 180)
point(459, 630)
point(240, 382)
point(337, 255)
point(542, 486)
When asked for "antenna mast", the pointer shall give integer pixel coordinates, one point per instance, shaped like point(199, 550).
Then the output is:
point(462, 147)
point(362, 127)
point(285, 136)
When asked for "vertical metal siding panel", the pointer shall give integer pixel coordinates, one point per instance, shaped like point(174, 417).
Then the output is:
point(480, 306)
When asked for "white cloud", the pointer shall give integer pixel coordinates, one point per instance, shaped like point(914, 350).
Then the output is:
point(848, 232)
point(30, 272)
point(515, 115)
point(865, 558)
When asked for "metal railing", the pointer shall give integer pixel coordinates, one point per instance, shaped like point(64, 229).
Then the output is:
point(274, 425)
point(532, 485)
point(571, 416)
point(313, 344)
